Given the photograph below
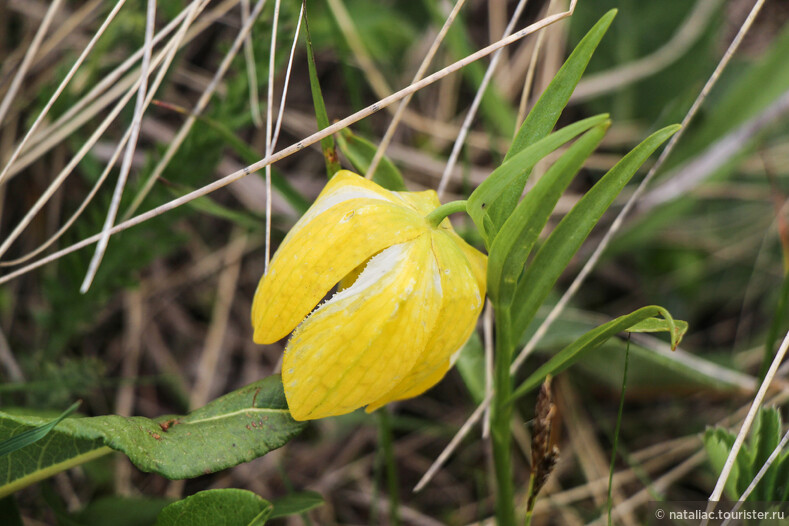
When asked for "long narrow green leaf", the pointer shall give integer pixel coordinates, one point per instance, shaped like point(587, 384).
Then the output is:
point(554, 256)
point(327, 144)
point(514, 242)
point(500, 180)
point(31, 436)
point(594, 339)
point(360, 152)
point(545, 113)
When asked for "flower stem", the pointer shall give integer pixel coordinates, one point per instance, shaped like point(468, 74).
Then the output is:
point(439, 214)
point(385, 439)
point(501, 417)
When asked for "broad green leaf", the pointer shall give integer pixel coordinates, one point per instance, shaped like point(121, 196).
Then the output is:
point(31, 436)
point(217, 507)
point(554, 256)
point(513, 244)
point(544, 115)
point(592, 340)
point(360, 152)
point(238, 427)
point(36, 462)
point(327, 144)
point(500, 180)
point(296, 503)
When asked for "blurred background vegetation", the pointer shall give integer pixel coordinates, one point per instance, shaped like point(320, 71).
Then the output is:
point(165, 326)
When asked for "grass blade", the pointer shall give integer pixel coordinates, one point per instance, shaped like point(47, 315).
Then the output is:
point(327, 143)
point(515, 240)
point(545, 113)
point(502, 177)
point(32, 436)
point(594, 339)
point(554, 256)
point(360, 152)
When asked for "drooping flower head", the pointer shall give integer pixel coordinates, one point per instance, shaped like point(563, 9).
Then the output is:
point(410, 294)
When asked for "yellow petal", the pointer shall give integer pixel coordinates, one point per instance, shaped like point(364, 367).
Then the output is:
point(460, 307)
point(362, 342)
point(350, 221)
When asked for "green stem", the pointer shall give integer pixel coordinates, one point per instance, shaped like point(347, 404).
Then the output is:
point(501, 416)
point(385, 438)
point(439, 214)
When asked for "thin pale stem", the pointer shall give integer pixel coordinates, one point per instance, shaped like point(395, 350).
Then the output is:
point(269, 122)
point(60, 88)
point(16, 83)
point(472, 111)
point(287, 78)
point(131, 145)
point(398, 115)
point(201, 104)
point(298, 146)
point(252, 74)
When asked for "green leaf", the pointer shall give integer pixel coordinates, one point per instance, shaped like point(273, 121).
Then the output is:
point(594, 339)
point(765, 438)
point(659, 325)
point(554, 256)
point(502, 177)
point(238, 427)
point(718, 442)
point(327, 144)
point(513, 244)
point(31, 436)
point(217, 507)
point(9, 512)
point(296, 503)
point(544, 115)
point(360, 152)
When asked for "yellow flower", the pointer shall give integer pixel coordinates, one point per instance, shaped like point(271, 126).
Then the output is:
point(410, 297)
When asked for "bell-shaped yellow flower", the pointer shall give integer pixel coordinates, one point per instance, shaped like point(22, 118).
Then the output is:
point(410, 297)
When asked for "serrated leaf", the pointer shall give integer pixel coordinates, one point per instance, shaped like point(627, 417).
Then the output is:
point(718, 442)
point(360, 152)
point(554, 256)
point(217, 507)
point(545, 113)
point(296, 503)
point(502, 177)
point(327, 144)
point(765, 438)
point(592, 340)
point(511, 248)
point(238, 427)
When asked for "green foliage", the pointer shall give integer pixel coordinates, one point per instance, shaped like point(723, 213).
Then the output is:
point(32, 436)
point(644, 317)
point(327, 143)
point(360, 152)
point(765, 438)
point(238, 427)
point(296, 503)
point(119, 511)
point(217, 507)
